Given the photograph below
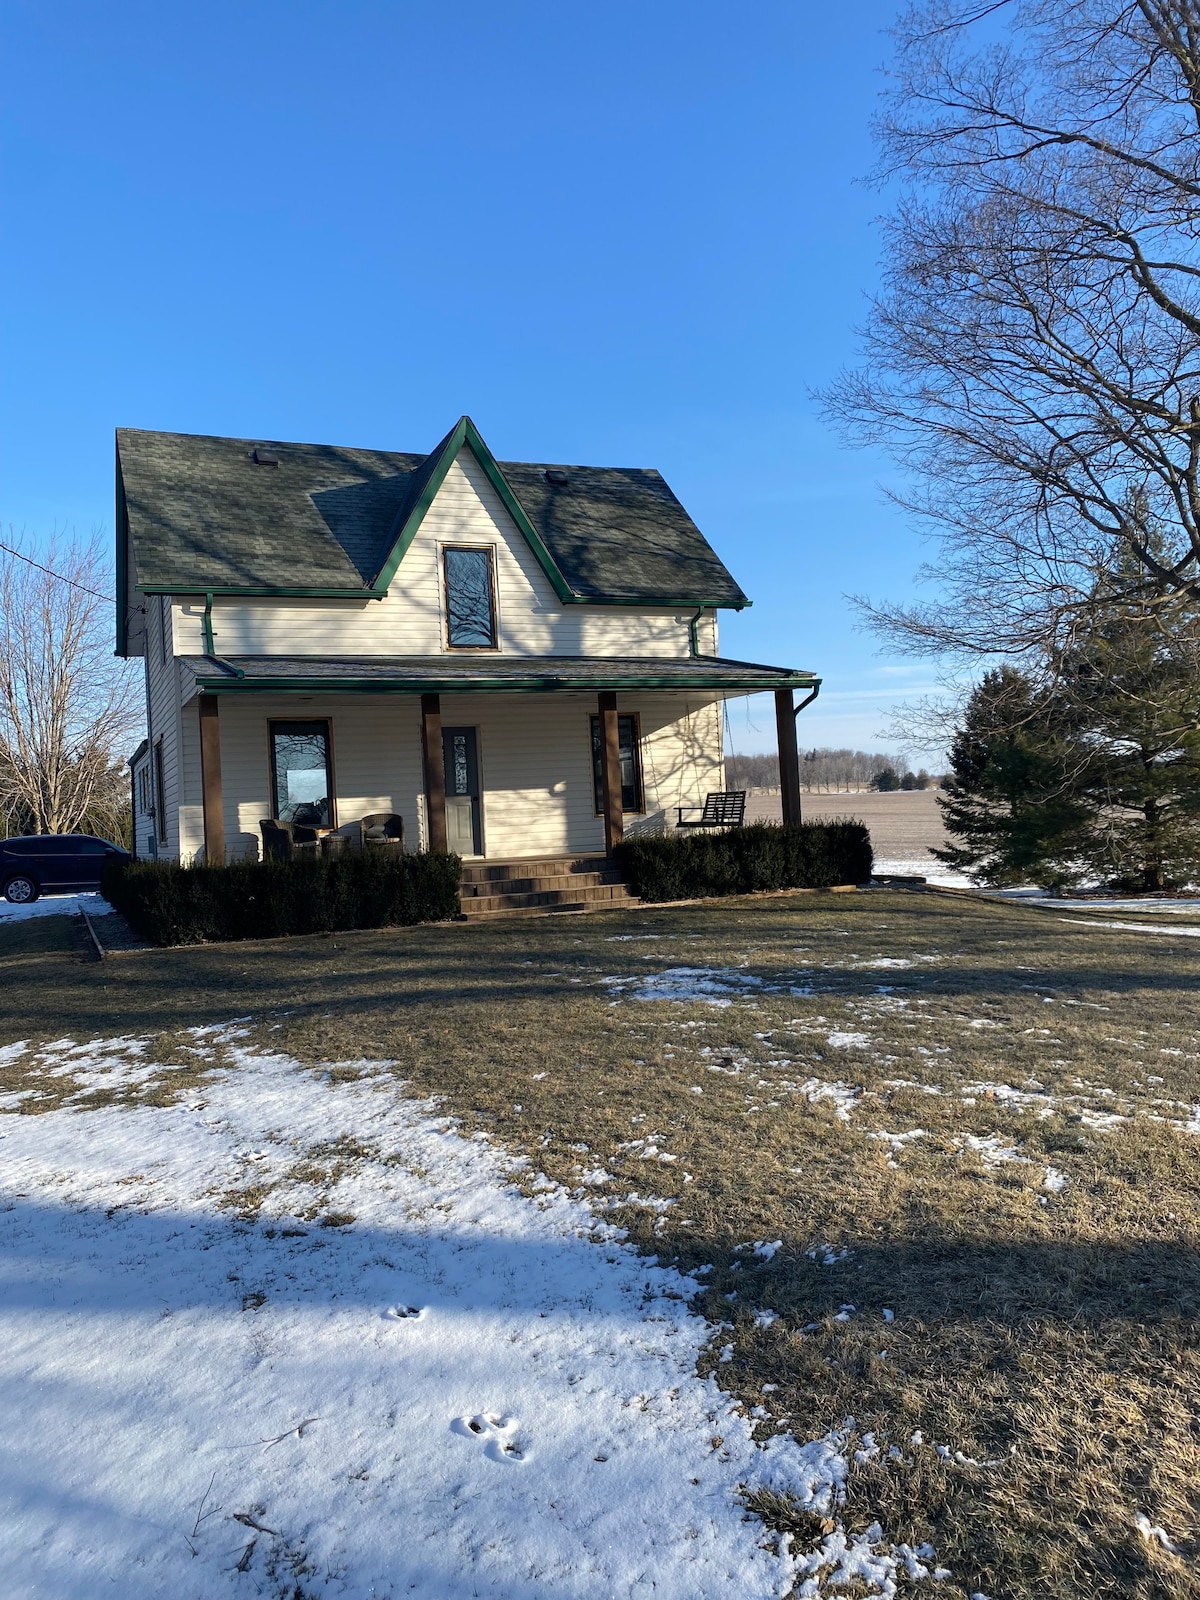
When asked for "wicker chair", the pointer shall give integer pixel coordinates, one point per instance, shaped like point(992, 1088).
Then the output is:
point(285, 841)
point(383, 830)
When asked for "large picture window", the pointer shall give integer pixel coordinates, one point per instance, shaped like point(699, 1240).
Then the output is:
point(301, 773)
point(631, 765)
point(470, 598)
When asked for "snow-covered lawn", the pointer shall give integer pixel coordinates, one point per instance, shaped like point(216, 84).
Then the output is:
point(293, 1329)
point(55, 905)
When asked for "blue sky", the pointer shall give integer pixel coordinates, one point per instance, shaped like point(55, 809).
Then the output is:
point(628, 234)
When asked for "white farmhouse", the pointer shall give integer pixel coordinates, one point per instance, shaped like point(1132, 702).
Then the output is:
point(519, 660)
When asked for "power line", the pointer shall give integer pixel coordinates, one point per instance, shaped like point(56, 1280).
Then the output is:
point(51, 574)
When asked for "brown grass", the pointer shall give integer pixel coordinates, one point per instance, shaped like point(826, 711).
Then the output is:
point(1045, 1340)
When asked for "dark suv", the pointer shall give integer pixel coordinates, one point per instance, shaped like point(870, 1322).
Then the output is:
point(53, 863)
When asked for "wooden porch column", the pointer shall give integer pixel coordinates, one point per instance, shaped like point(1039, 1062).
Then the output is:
point(435, 771)
point(610, 756)
point(789, 757)
point(210, 781)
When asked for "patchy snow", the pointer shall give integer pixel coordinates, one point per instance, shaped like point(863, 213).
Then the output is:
point(1132, 927)
point(56, 905)
point(838, 1040)
point(843, 1095)
point(1054, 1180)
point(715, 986)
point(922, 867)
point(1152, 1533)
point(896, 1142)
point(293, 1330)
point(992, 1150)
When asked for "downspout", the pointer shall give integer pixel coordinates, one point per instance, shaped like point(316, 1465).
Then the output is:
point(209, 648)
point(693, 640)
point(816, 689)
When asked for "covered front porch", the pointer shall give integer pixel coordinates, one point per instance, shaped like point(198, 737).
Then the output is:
point(496, 761)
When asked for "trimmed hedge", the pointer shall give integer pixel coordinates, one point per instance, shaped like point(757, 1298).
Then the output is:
point(679, 866)
point(169, 904)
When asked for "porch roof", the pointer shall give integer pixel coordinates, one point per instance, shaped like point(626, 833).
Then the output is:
point(512, 674)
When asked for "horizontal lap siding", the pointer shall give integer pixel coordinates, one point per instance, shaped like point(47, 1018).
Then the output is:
point(682, 754)
point(534, 762)
point(536, 765)
point(410, 621)
point(535, 771)
point(376, 759)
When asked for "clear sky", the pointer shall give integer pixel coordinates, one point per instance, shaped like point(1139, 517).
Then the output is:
point(627, 234)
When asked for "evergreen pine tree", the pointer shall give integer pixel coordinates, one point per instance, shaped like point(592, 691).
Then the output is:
point(1010, 804)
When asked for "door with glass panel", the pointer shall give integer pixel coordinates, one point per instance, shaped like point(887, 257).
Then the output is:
point(460, 749)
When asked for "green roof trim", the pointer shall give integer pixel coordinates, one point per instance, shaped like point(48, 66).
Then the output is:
point(466, 433)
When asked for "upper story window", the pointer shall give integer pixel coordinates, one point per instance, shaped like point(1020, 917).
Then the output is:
point(470, 597)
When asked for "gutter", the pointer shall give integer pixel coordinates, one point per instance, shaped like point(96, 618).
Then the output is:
point(483, 685)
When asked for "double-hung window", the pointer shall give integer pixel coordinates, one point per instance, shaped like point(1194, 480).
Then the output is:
point(630, 761)
point(302, 773)
point(470, 587)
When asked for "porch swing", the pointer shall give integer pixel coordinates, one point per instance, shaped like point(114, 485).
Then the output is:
point(724, 808)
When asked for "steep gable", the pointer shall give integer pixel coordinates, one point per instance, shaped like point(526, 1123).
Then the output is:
point(199, 513)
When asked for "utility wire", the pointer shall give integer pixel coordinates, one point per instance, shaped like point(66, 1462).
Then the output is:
point(51, 574)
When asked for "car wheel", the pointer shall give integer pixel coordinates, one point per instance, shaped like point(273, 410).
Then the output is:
point(20, 890)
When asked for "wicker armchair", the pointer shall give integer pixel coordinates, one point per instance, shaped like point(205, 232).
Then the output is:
point(285, 841)
point(383, 830)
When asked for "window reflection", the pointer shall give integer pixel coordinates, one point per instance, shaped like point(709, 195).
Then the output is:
point(300, 773)
point(470, 598)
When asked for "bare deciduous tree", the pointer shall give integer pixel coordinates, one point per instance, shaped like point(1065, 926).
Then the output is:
point(67, 706)
point(1033, 361)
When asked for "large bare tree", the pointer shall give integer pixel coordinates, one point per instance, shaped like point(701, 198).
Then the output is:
point(1033, 359)
point(67, 707)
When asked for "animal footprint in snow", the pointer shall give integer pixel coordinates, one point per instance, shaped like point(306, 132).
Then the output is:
point(404, 1313)
point(502, 1438)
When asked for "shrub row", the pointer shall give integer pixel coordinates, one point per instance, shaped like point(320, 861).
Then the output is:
point(687, 866)
point(170, 904)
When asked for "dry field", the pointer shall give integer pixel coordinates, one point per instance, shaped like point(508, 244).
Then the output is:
point(935, 1160)
point(904, 825)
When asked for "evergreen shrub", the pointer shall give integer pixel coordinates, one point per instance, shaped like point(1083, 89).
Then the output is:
point(679, 866)
point(171, 904)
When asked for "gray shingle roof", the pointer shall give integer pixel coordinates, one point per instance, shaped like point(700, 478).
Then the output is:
point(516, 673)
point(202, 515)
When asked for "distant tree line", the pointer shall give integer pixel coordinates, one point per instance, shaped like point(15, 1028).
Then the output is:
point(828, 771)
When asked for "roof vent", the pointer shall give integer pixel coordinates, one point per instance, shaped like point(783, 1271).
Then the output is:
point(557, 477)
point(263, 458)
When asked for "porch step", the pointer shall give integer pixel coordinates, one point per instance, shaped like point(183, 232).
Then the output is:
point(534, 887)
point(535, 867)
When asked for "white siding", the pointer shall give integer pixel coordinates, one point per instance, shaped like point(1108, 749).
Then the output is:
point(376, 759)
point(534, 758)
point(410, 621)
